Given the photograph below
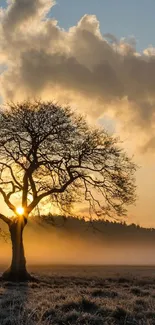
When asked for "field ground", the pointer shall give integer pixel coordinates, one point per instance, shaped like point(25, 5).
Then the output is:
point(76, 295)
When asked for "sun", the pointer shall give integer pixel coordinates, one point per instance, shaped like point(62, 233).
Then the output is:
point(20, 210)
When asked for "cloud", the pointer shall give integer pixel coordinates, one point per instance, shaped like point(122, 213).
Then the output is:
point(25, 11)
point(80, 66)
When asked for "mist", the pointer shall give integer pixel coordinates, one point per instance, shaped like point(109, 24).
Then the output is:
point(45, 244)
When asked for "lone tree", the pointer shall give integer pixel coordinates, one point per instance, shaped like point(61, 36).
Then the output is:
point(47, 151)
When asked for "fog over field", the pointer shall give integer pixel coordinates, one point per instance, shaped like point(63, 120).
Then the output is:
point(78, 242)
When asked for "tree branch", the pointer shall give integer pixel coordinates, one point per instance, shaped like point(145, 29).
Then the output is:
point(12, 174)
point(55, 190)
point(5, 219)
point(33, 186)
point(7, 201)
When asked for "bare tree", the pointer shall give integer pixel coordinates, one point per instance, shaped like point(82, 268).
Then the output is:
point(47, 151)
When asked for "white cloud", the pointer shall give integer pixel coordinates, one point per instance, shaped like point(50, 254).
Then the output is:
point(79, 66)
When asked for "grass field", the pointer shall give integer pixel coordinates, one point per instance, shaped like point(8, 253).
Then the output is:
point(92, 295)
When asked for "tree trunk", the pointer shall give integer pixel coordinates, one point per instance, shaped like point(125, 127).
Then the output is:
point(17, 271)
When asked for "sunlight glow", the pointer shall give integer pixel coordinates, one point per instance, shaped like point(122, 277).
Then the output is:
point(20, 210)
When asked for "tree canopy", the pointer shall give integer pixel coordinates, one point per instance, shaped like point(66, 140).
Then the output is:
point(49, 151)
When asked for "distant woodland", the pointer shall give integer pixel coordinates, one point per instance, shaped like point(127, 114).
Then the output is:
point(100, 229)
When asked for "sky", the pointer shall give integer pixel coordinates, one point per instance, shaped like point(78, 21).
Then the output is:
point(97, 56)
point(121, 17)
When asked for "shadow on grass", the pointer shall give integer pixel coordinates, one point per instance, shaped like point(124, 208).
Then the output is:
point(13, 298)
